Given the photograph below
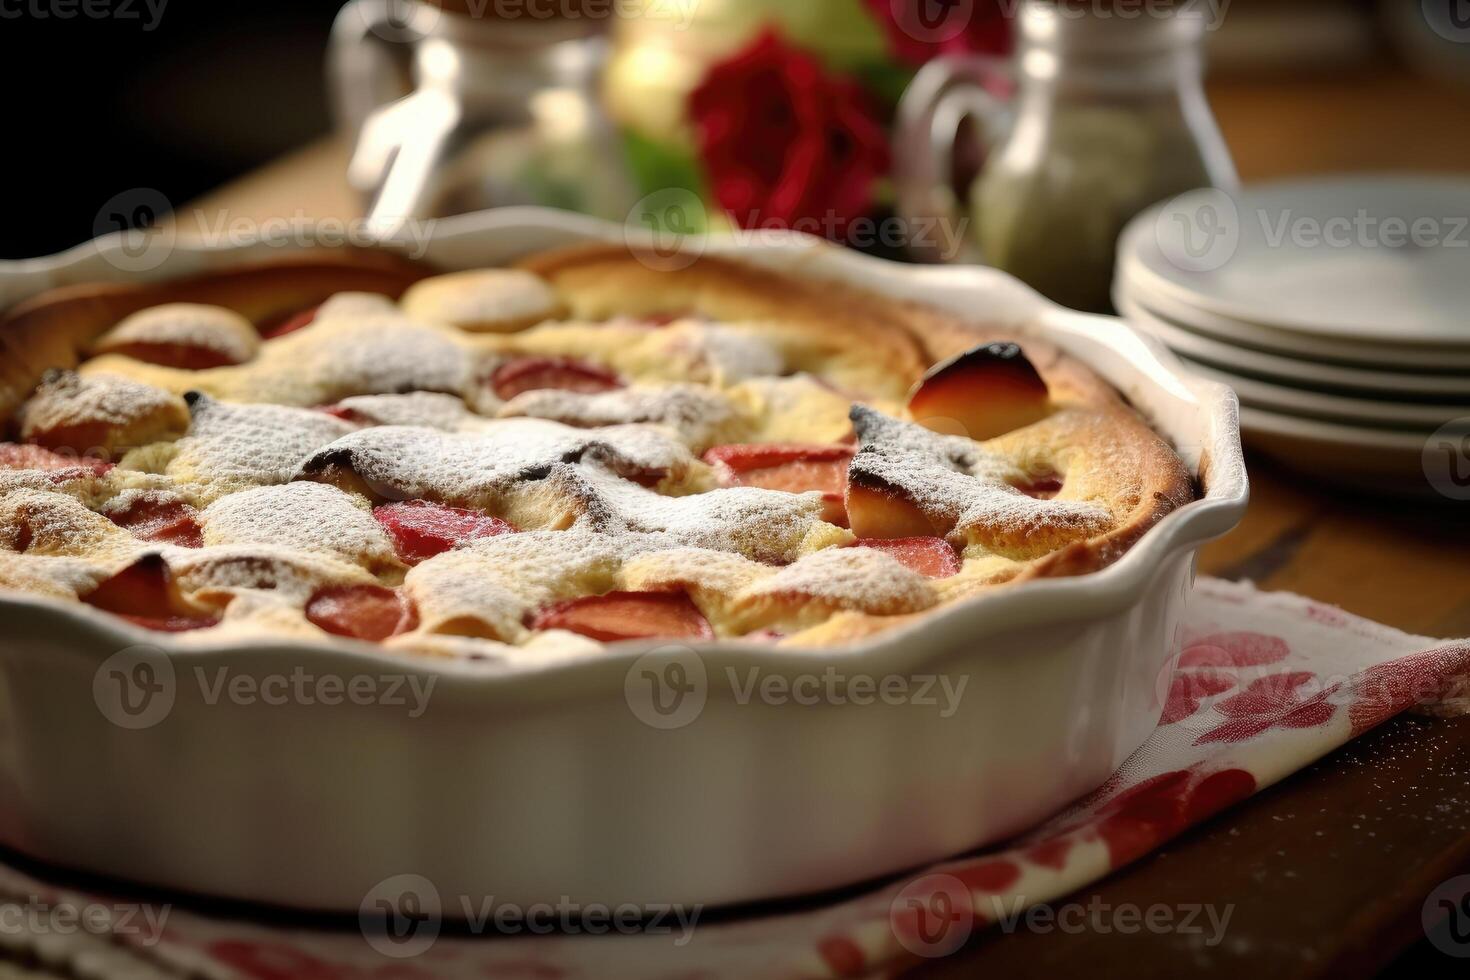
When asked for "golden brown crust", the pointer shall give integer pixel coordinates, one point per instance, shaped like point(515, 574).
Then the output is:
point(53, 330)
point(601, 280)
point(881, 346)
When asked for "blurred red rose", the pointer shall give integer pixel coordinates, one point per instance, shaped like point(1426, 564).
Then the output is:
point(785, 143)
point(921, 29)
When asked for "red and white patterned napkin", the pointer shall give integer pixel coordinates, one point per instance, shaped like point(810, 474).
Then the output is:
point(1267, 684)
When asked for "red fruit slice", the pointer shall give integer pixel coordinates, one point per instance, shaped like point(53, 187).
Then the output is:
point(1044, 487)
point(747, 458)
point(795, 469)
point(183, 356)
point(362, 612)
point(982, 393)
point(14, 456)
point(930, 557)
point(877, 510)
point(144, 593)
point(563, 373)
point(420, 530)
point(628, 616)
point(168, 521)
point(338, 412)
point(290, 324)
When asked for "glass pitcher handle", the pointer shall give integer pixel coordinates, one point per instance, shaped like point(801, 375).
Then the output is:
point(943, 95)
point(367, 59)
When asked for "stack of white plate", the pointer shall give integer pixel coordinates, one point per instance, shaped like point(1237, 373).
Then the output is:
point(1338, 309)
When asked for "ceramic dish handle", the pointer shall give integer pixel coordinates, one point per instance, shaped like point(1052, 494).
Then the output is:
point(943, 95)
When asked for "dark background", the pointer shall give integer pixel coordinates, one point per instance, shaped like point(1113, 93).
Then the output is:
point(98, 106)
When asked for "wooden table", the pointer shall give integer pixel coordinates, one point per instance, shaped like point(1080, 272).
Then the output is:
point(1327, 871)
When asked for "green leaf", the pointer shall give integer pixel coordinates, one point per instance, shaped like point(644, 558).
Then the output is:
point(658, 166)
point(887, 81)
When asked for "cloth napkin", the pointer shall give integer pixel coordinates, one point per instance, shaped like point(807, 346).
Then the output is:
point(1266, 684)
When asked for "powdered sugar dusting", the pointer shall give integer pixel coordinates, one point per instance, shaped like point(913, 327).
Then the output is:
point(419, 408)
point(232, 447)
point(727, 354)
point(53, 576)
point(38, 522)
point(483, 299)
point(213, 328)
point(350, 305)
point(714, 577)
point(481, 468)
point(214, 576)
point(67, 403)
point(848, 578)
point(341, 356)
point(959, 484)
point(698, 416)
point(764, 525)
point(487, 587)
point(605, 489)
point(539, 649)
point(303, 516)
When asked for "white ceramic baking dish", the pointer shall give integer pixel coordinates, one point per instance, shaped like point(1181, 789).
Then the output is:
point(547, 785)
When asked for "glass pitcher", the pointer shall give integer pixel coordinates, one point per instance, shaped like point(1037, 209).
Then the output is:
point(453, 111)
point(1108, 116)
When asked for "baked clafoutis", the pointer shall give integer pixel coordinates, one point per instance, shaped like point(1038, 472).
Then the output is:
point(524, 464)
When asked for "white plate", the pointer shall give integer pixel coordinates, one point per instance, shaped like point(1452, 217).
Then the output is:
point(1379, 460)
point(1370, 258)
point(1418, 358)
point(563, 784)
point(1334, 408)
point(1358, 382)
